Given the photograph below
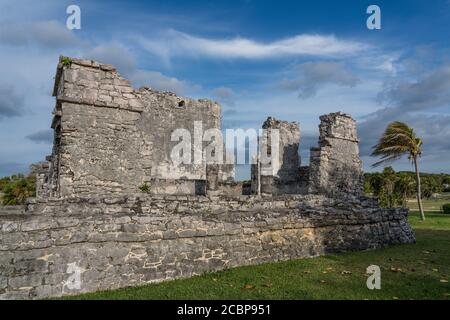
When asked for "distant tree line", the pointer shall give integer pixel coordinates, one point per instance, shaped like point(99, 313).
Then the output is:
point(394, 188)
point(14, 190)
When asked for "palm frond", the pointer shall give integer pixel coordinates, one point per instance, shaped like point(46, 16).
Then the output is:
point(397, 140)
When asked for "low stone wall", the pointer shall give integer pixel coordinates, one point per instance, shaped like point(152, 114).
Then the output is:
point(176, 187)
point(120, 242)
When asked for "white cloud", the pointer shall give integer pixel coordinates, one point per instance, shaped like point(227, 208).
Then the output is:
point(430, 90)
point(124, 60)
point(314, 75)
point(113, 53)
point(175, 43)
point(158, 81)
point(45, 34)
point(388, 65)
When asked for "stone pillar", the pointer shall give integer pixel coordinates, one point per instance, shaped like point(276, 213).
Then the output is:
point(226, 172)
point(41, 170)
point(212, 177)
point(286, 168)
point(335, 166)
point(217, 174)
point(284, 159)
point(254, 176)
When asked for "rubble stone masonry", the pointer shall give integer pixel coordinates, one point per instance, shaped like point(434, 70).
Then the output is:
point(128, 241)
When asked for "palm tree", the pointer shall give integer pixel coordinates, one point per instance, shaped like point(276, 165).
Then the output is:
point(397, 140)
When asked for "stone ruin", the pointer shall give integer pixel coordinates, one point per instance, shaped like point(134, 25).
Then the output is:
point(335, 167)
point(109, 139)
point(90, 222)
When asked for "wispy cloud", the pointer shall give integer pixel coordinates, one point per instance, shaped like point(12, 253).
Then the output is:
point(124, 60)
point(113, 53)
point(11, 104)
point(158, 81)
point(413, 102)
point(313, 75)
point(48, 34)
point(42, 136)
point(430, 91)
point(174, 43)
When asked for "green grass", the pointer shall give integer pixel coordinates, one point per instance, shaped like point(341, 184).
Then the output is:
point(411, 271)
point(430, 204)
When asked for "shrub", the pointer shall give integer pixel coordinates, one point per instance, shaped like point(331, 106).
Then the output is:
point(145, 188)
point(66, 61)
point(446, 208)
point(3, 182)
point(17, 189)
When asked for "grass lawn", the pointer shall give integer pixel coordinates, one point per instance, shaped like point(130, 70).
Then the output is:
point(416, 271)
point(430, 204)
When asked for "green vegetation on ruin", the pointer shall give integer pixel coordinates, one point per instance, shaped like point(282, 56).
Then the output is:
point(66, 61)
point(145, 188)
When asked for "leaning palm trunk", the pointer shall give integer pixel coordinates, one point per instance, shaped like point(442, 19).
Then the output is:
point(419, 192)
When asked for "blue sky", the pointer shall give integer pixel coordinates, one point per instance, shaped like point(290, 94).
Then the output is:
point(294, 60)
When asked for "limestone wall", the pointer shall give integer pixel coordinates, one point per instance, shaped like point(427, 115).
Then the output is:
point(281, 175)
point(285, 168)
point(335, 167)
point(119, 242)
point(111, 138)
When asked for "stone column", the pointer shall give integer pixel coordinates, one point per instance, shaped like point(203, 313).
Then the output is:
point(212, 177)
point(335, 166)
point(283, 153)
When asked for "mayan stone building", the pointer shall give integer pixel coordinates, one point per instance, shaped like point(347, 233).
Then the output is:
point(111, 138)
point(113, 210)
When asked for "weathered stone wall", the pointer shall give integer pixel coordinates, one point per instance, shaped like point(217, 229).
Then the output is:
point(285, 168)
point(40, 170)
point(335, 167)
point(111, 138)
point(128, 241)
point(281, 175)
